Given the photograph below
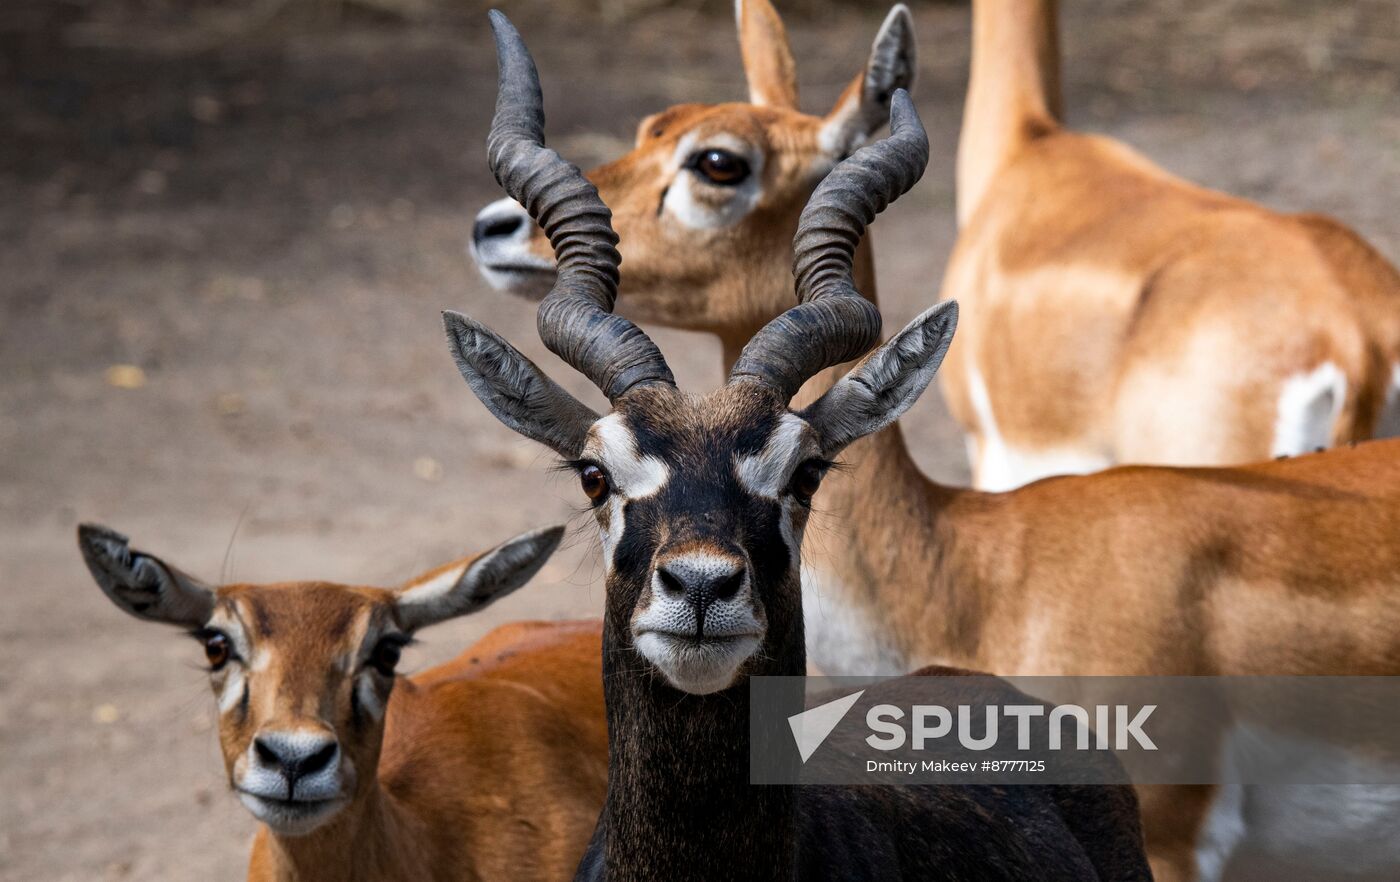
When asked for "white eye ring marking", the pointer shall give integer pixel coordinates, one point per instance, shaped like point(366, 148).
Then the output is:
point(232, 678)
point(682, 201)
point(767, 472)
point(631, 475)
point(367, 691)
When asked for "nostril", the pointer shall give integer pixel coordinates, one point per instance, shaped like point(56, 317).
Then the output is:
point(729, 586)
point(318, 760)
point(266, 753)
point(669, 582)
point(496, 227)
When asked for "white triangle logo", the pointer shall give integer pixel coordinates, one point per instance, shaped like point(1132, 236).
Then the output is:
point(810, 728)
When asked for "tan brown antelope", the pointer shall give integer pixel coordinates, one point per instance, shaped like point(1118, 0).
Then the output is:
point(717, 181)
point(490, 767)
point(701, 502)
point(1117, 314)
point(1138, 571)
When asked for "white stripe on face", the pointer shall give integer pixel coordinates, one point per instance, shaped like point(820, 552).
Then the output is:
point(631, 475)
point(230, 682)
point(368, 692)
point(767, 472)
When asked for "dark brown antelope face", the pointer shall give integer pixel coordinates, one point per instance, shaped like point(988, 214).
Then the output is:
point(302, 671)
point(700, 501)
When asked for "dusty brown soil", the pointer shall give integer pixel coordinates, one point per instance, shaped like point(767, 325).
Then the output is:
point(268, 228)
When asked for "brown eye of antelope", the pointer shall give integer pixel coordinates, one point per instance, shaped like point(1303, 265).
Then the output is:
point(385, 656)
point(720, 167)
point(807, 479)
point(217, 650)
point(595, 483)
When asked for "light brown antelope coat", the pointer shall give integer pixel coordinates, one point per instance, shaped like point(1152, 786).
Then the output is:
point(1117, 314)
point(1135, 571)
point(490, 767)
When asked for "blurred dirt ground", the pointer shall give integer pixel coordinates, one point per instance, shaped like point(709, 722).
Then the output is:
point(220, 273)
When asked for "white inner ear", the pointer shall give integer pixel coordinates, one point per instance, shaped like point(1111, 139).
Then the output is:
point(683, 201)
point(432, 590)
point(843, 133)
point(845, 130)
point(767, 472)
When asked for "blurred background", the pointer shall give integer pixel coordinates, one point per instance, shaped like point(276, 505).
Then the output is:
point(227, 231)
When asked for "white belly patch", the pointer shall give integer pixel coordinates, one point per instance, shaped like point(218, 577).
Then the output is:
point(1308, 407)
point(999, 466)
point(1317, 831)
point(1389, 424)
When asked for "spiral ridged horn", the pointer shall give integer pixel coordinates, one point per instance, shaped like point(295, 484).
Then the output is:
point(832, 322)
point(575, 320)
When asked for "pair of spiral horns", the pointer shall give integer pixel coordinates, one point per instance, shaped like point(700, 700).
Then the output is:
point(832, 322)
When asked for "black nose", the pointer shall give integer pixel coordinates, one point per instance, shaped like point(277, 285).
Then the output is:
point(701, 582)
point(496, 228)
point(295, 755)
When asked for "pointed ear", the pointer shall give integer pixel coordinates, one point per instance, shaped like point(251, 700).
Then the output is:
point(143, 585)
point(767, 59)
point(865, 105)
point(886, 383)
point(474, 583)
point(512, 388)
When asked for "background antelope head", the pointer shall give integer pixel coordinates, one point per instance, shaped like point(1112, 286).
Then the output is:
point(700, 501)
point(303, 671)
point(707, 201)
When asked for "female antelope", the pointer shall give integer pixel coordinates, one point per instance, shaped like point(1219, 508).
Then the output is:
point(1116, 313)
point(701, 504)
point(492, 766)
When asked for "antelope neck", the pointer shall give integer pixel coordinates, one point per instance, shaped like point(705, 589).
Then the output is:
point(680, 806)
point(873, 556)
point(367, 841)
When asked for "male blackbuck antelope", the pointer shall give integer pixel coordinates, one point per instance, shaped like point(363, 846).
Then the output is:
point(706, 204)
point(492, 766)
point(701, 503)
point(1117, 314)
